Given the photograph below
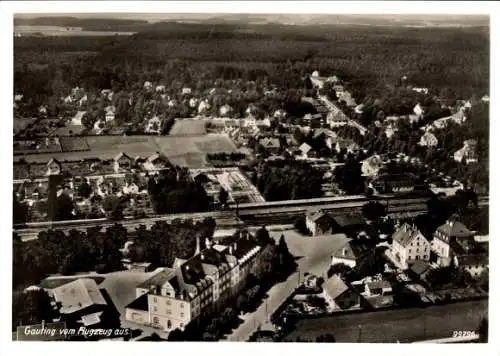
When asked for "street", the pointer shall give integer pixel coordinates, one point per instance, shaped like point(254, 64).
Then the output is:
point(315, 255)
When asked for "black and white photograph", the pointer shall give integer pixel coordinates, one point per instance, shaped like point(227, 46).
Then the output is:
point(249, 177)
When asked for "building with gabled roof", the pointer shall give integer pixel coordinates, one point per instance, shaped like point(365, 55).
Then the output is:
point(53, 167)
point(122, 162)
point(408, 245)
point(339, 295)
point(351, 253)
point(318, 222)
point(474, 264)
point(445, 236)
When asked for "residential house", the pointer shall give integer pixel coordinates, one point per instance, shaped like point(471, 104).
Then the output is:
point(336, 118)
point(156, 162)
point(154, 125)
point(474, 264)
point(467, 153)
point(346, 144)
point(485, 99)
point(271, 144)
point(318, 223)
point(444, 237)
point(160, 88)
point(371, 166)
point(421, 90)
point(81, 302)
point(122, 163)
point(351, 253)
point(186, 91)
point(428, 139)
point(53, 167)
point(347, 98)
point(110, 113)
point(378, 288)
point(193, 102)
point(420, 270)
point(418, 110)
point(148, 85)
point(312, 120)
point(279, 114)
point(339, 90)
point(225, 110)
point(409, 245)
point(339, 295)
point(305, 149)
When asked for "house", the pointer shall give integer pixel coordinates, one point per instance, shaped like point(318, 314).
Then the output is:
point(203, 107)
point(377, 288)
point(266, 122)
point(279, 114)
point(443, 238)
point(318, 223)
point(347, 98)
point(351, 253)
point(156, 162)
point(186, 91)
point(428, 139)
point(160, 88)
point(193, 102)
point(154, 125)
point(18, 97)
point(110, 113)
point(420, 270)
point(409, 245)
point(474, 264)
point(346, 144)
point(359, 109)
point(418, 110)
point(81, 302)
point(371, 166)
point(225, 110)
point(421, 90)
point(336, 118)
point(122, 163)
point(467, 153)
point(312, 120)
point(339, 295)
point(305, 149)
point(53, 167)
point(148, 85)
point(485, 99)
point(393, 183)
point(271, 144)
point(339, 90)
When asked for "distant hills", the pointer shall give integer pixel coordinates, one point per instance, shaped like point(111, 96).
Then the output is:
point(141, 22)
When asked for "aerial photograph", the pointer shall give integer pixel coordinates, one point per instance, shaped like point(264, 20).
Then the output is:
point(312, 178)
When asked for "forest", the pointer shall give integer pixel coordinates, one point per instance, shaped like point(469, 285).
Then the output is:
point(448, 61)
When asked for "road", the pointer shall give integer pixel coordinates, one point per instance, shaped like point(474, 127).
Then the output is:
point(334, 109)
point(401, 325)
point(314, 256)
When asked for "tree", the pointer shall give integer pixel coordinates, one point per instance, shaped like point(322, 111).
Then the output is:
point(176, 335)
point(223, 196)
point(338, 268)
point(262, 237)
point(373, 211)
point(483, 330)
point(84, 190)
point(113, 206)
point(63, 207)
point(326, 338)
point(31, 307)
point(20, 211)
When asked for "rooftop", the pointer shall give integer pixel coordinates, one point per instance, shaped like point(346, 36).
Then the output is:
point(140, 303)
point(405, 234)
point(454, 229)
point(335, 286)
point(78, 295)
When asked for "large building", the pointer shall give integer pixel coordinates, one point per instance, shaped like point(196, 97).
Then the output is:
point(409, 245)
point(201, 285)
point(445, 236)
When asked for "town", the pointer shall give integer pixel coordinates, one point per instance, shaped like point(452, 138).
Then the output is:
point(296, 200)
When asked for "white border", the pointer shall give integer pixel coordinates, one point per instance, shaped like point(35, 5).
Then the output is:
point(317, 7)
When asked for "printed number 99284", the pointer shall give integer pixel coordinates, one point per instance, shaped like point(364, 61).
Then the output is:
point(464, 333)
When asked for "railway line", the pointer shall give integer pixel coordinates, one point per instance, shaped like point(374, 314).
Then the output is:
point(251, 214)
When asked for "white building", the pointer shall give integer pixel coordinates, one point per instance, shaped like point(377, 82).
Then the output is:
point(408, 245)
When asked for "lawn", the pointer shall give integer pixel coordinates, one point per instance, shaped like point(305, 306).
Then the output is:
point(188, 127)
point(404, 325)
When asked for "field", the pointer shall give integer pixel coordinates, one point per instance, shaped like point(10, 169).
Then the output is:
point(188, 127)
point(63, 31)
point(405, 325)
point(182, 151)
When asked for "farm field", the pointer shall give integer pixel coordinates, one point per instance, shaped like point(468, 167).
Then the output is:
point(183, 151)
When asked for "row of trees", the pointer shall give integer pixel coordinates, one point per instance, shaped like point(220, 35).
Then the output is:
point(96, 250)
